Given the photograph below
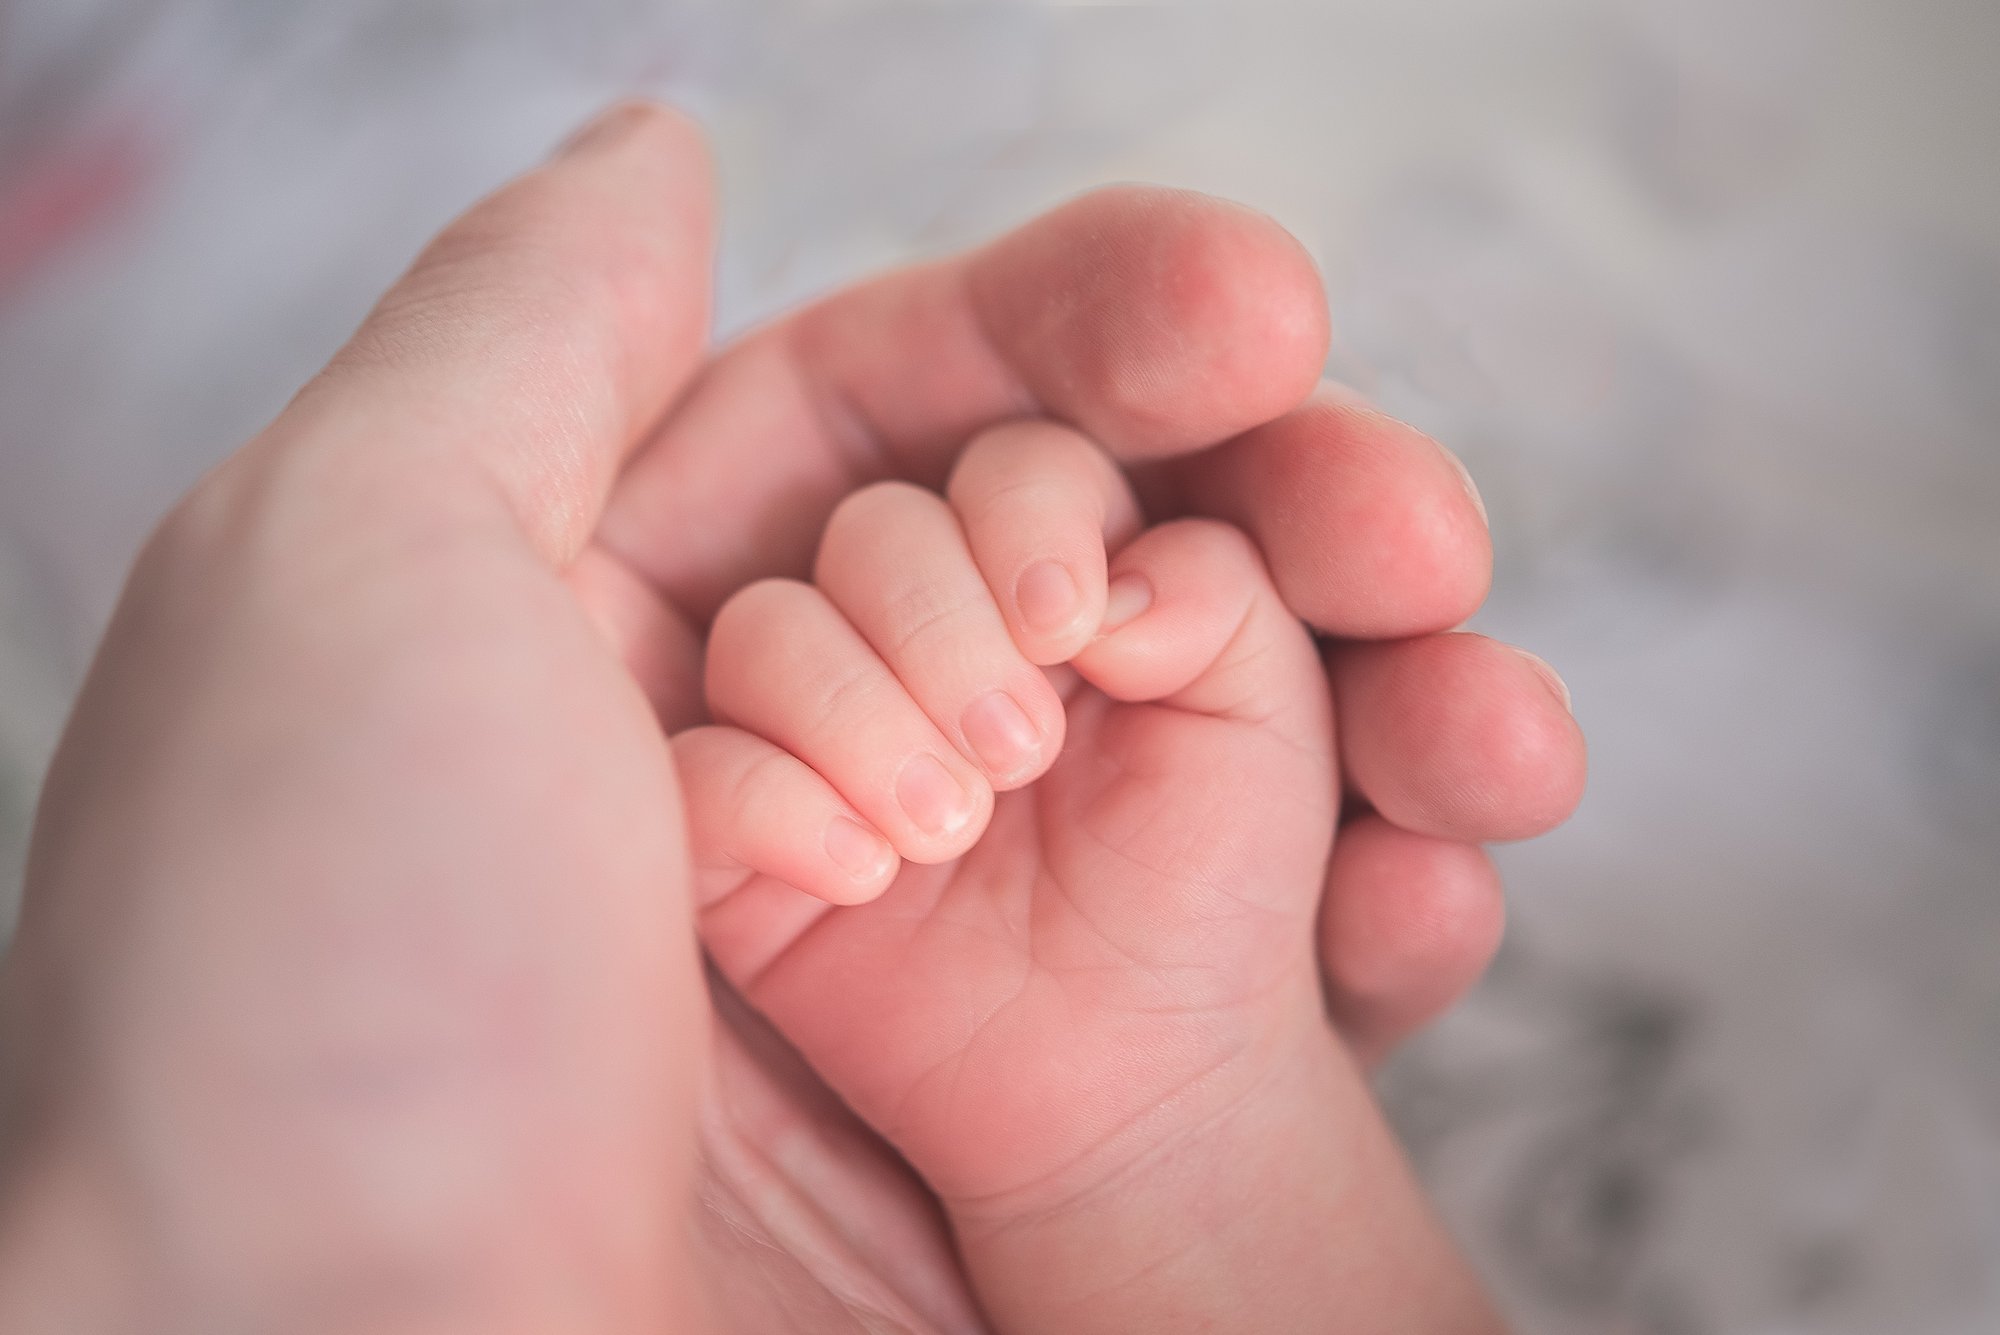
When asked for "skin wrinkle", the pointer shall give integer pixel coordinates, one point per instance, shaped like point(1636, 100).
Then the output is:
point(1122, 773)
point(1221, 663)
point(985, 1025)
point(1157, 870)
point(831, 703)
point(927, 622)
point(1204, 886)
point(575, 495)
point(1062, 889)
point(930, 621)
point(1136, 1277)
point(1160, 1106)
point(991, 500)
point(568, 379)
point(1213, 890)
point(560, 495)
point(995, 1218)
point(944, 1307)
point(1261, 720)
point(812, 1249)
point(898, 1117)
point(831, 699)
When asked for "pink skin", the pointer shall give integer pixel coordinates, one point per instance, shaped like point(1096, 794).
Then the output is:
point(364, 847)
point(1116, 973)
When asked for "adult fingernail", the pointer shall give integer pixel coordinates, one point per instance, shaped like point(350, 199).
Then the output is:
point(1001, 734)
point(605, 127)
point(932, 799)
point(1047, 596)
point(859, 851)
point(1465, 480)
point(1550, 678)
point(1128, 597)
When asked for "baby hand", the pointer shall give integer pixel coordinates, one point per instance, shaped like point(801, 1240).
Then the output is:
point(1048, 929)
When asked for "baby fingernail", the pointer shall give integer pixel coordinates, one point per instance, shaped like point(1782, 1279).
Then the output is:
point(932, 798)
point(1001, 734)
point(1046, 595)
point(1125, 600)
point(859, 851)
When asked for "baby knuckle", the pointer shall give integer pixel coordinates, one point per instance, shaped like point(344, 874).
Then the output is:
point(861, 513)
point(921, 621)
point(869, 503)
point(1006, 501)
point(760, 785)
point(750, 610)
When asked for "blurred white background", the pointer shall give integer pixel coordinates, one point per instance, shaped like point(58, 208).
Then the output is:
point(1707, 293)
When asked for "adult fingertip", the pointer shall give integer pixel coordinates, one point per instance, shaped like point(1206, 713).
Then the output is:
point(1370, 528)
point(630, 120)
point(534, 339)
point(1419, 555)
point(1558, 688)
point(1241, 295)
point(1410, 925)
point(1458, 736)
point(1536, 756)
point(1191, 319)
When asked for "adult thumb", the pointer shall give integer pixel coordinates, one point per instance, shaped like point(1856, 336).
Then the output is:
point(538, 338)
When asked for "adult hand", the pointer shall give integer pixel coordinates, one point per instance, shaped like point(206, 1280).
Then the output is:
point(355, 980)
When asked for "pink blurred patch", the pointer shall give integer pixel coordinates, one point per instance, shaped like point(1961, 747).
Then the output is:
point(65, 189)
